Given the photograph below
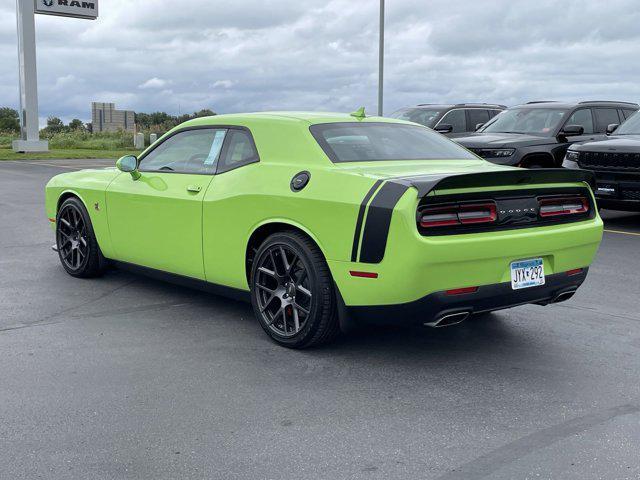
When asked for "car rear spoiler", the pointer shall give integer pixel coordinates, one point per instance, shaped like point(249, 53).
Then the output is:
point(425, 184)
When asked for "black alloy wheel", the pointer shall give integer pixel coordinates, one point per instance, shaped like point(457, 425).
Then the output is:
point(77, 247)
point(292, 291)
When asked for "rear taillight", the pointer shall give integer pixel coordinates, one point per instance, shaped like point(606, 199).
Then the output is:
point(563, 205)
point(458, 214)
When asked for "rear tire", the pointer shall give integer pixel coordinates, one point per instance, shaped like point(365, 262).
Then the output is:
point(292, 291)
point(78, 248)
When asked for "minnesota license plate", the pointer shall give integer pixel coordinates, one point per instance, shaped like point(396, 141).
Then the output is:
point(527, 273)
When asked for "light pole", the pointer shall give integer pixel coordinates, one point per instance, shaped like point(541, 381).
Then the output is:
point(381, 59)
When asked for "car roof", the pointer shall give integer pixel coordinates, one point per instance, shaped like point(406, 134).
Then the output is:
point(459, 105)
point(568, 105)
point(310, 118)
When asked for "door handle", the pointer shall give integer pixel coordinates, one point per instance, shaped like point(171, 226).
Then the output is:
point(194, 188)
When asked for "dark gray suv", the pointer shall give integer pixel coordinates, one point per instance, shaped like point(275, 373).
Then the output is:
point(538, 134)
point(452, 119)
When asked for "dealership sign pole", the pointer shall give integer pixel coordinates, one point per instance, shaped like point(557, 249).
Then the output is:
point(25, 13)
point(381, 58)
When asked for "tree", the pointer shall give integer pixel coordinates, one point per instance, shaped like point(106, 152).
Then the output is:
point(55, 125)
point(9, 120)
point(76, 124)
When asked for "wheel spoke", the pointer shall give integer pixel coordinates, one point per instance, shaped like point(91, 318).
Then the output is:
point(283, 257)
point(300, 288)
point(267, 272)
point(266, 289)
point(299, 307)
point(296, 320)
point(276, 315)
point(65, 223)
point(273, 262)
point(303, 275)
point(267, 303)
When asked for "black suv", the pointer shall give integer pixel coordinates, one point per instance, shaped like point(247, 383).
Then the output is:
point(537, 134)
point(616, 164)
point(450, 119)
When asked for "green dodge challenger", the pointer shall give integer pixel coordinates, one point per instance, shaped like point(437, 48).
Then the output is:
point(327, 220)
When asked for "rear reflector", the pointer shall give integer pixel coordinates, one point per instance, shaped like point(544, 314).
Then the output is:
point(553, 206)
point(460, 291)
point(354, 273)
point(575, 271)
point(458, 214)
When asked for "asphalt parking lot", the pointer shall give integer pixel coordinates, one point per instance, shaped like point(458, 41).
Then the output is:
point(127, 377)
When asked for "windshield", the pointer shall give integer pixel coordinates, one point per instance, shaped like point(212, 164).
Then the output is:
point(630, 127)
point(535, 121)
point(423, 116)
point(366, 142)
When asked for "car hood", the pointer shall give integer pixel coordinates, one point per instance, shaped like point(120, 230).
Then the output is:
point(500, 140)
point(619, 143)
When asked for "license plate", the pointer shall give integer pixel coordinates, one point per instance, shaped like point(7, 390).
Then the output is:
point(606, 189)
point(527, 273)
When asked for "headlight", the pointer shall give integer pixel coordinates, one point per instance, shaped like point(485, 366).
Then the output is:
point(494, 152)
point(572, 156)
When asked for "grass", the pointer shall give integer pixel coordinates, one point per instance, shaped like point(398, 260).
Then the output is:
point(9, 154)
point(73, 144)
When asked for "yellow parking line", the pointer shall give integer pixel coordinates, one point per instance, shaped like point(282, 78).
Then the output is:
point(623, 233)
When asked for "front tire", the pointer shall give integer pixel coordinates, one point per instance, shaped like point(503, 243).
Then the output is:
point(292, 291)
point(77, 246)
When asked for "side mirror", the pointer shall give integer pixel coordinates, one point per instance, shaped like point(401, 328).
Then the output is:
point(572, 130)
point(479, 126)
point(129, 164)
point(612, 128)
point(444, 128)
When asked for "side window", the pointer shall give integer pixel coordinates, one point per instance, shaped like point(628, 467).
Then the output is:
point(605, 116)
point(583, 118)
point(476, 116)
point(191, 151)
point(493, 113)
point(627, 112)
point(456, 119)
point(239, 150)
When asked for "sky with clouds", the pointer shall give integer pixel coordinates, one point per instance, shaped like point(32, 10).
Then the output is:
point(252, 55)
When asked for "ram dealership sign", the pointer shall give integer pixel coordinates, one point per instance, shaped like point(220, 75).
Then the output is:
point(68, 8)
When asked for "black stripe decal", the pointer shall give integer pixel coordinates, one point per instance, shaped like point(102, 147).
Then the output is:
point(363, 207)
point(376, 229)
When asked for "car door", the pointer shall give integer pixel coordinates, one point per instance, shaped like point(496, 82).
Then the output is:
point(156, 220)
point(476, 116)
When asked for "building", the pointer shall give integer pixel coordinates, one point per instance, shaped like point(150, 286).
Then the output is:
point(105, 118)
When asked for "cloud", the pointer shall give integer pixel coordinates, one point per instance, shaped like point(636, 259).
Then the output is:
point(154, 82)
point(223, 84)
point(322, 54)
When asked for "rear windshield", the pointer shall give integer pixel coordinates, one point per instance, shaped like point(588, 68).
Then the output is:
point(369, 142)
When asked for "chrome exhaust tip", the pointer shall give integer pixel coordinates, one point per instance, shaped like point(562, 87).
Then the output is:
point(448, 320)
point(561, 297)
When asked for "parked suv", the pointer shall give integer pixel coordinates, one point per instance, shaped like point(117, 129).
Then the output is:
point(538, 134)
point(616, 164)
point(450, 120)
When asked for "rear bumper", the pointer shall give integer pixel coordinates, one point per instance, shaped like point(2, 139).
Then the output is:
point(558, 287)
